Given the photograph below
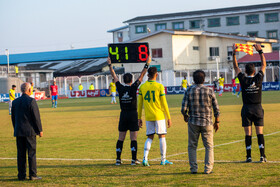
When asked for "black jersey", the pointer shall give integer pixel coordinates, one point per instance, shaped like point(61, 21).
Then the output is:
point(128, 95)
point(251, 88)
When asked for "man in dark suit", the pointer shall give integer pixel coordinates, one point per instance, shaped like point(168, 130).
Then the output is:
point(27, 124)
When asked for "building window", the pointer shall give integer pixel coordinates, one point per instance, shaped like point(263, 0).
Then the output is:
point(195, 24)
point(271, 17)
point(157, 53)
point(252, 19)
point(252, 34)
point(196, 48)
point(120, 34)
point(214, 22)
point(178, 25)
point(272, 34)
point(160, 26)
point(141, 29)
point(214, 51)
point(275, 48)
point(229, 51)
point(232, 20)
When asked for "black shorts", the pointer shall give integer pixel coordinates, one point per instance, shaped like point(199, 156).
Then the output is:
point(252, 113)
point(128, 121)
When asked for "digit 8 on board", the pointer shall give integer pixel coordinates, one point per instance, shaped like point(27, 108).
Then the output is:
point(141, 52)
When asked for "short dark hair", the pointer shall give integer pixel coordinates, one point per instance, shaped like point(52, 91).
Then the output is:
point(199, 77)
point(249, 69)
point(152, 71)
point(127, 78)
point(13, 86)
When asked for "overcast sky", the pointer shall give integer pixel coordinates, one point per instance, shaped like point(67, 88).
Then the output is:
point(49, 25)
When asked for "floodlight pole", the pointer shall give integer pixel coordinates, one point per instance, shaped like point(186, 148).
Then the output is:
point(217, 62)
point(7, 54)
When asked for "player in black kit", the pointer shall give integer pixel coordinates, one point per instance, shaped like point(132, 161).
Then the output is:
point(252, 110)
point(128, 117)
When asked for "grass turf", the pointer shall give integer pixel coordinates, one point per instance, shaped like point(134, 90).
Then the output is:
point(87, 129)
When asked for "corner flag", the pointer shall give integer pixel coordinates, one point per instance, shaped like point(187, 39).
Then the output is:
point(245, 48)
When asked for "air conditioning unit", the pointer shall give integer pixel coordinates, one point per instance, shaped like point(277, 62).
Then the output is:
point(229, 58)
point(212, 58)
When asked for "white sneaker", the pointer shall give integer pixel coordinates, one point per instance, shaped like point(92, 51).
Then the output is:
point(118, 162)
point(135, 162)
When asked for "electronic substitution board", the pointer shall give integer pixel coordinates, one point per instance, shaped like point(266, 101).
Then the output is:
point(128, 52)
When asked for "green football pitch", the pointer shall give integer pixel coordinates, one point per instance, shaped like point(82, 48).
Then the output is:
point(78, 147)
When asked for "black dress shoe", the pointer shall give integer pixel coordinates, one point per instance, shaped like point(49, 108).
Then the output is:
point(193, 172)
point(35, 178)
point(21, 179)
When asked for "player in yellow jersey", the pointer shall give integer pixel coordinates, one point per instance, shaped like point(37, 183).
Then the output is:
point(12, 96)
point(152, 95)
point(91, 87)
point(80, 87)
point(16, 70)
point(184, 83)
point(32, 90)
point(221, 84)
point(113, 90)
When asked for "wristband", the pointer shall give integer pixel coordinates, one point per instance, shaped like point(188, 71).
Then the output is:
point(109, 65)
point(217, 121)
point(260, 52)
point(146, 66)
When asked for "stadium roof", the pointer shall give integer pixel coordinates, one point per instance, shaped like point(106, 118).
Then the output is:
point(270, 57)
point(200, 12)
point(74, 54)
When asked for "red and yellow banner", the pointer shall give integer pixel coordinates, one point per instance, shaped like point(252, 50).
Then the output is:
point(245, 48)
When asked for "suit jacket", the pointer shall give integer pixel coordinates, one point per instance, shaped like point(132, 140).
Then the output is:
point(26, 117)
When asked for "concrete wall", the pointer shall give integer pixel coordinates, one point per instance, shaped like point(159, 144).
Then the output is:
point(6, 84)
point(184, 57)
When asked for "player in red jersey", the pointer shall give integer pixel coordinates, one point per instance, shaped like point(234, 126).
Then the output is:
point(54, 94)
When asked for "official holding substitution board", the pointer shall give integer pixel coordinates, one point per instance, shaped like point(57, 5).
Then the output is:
point(252, 110)
point(128, 116)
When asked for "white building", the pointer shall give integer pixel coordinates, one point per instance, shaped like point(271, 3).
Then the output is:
point(255, 21)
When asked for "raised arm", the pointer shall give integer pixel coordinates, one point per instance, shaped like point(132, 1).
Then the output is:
point(235, 64)
point(263, 61)
point(116, 79)
point(144, 71)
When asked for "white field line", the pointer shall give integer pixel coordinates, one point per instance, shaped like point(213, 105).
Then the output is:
point(156, 159)
point(237, 141)
point(88, 159)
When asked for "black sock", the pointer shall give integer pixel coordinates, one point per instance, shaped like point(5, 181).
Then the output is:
point(119, 149)
point(133, 146)
point(261, 144)
point(248, 142)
